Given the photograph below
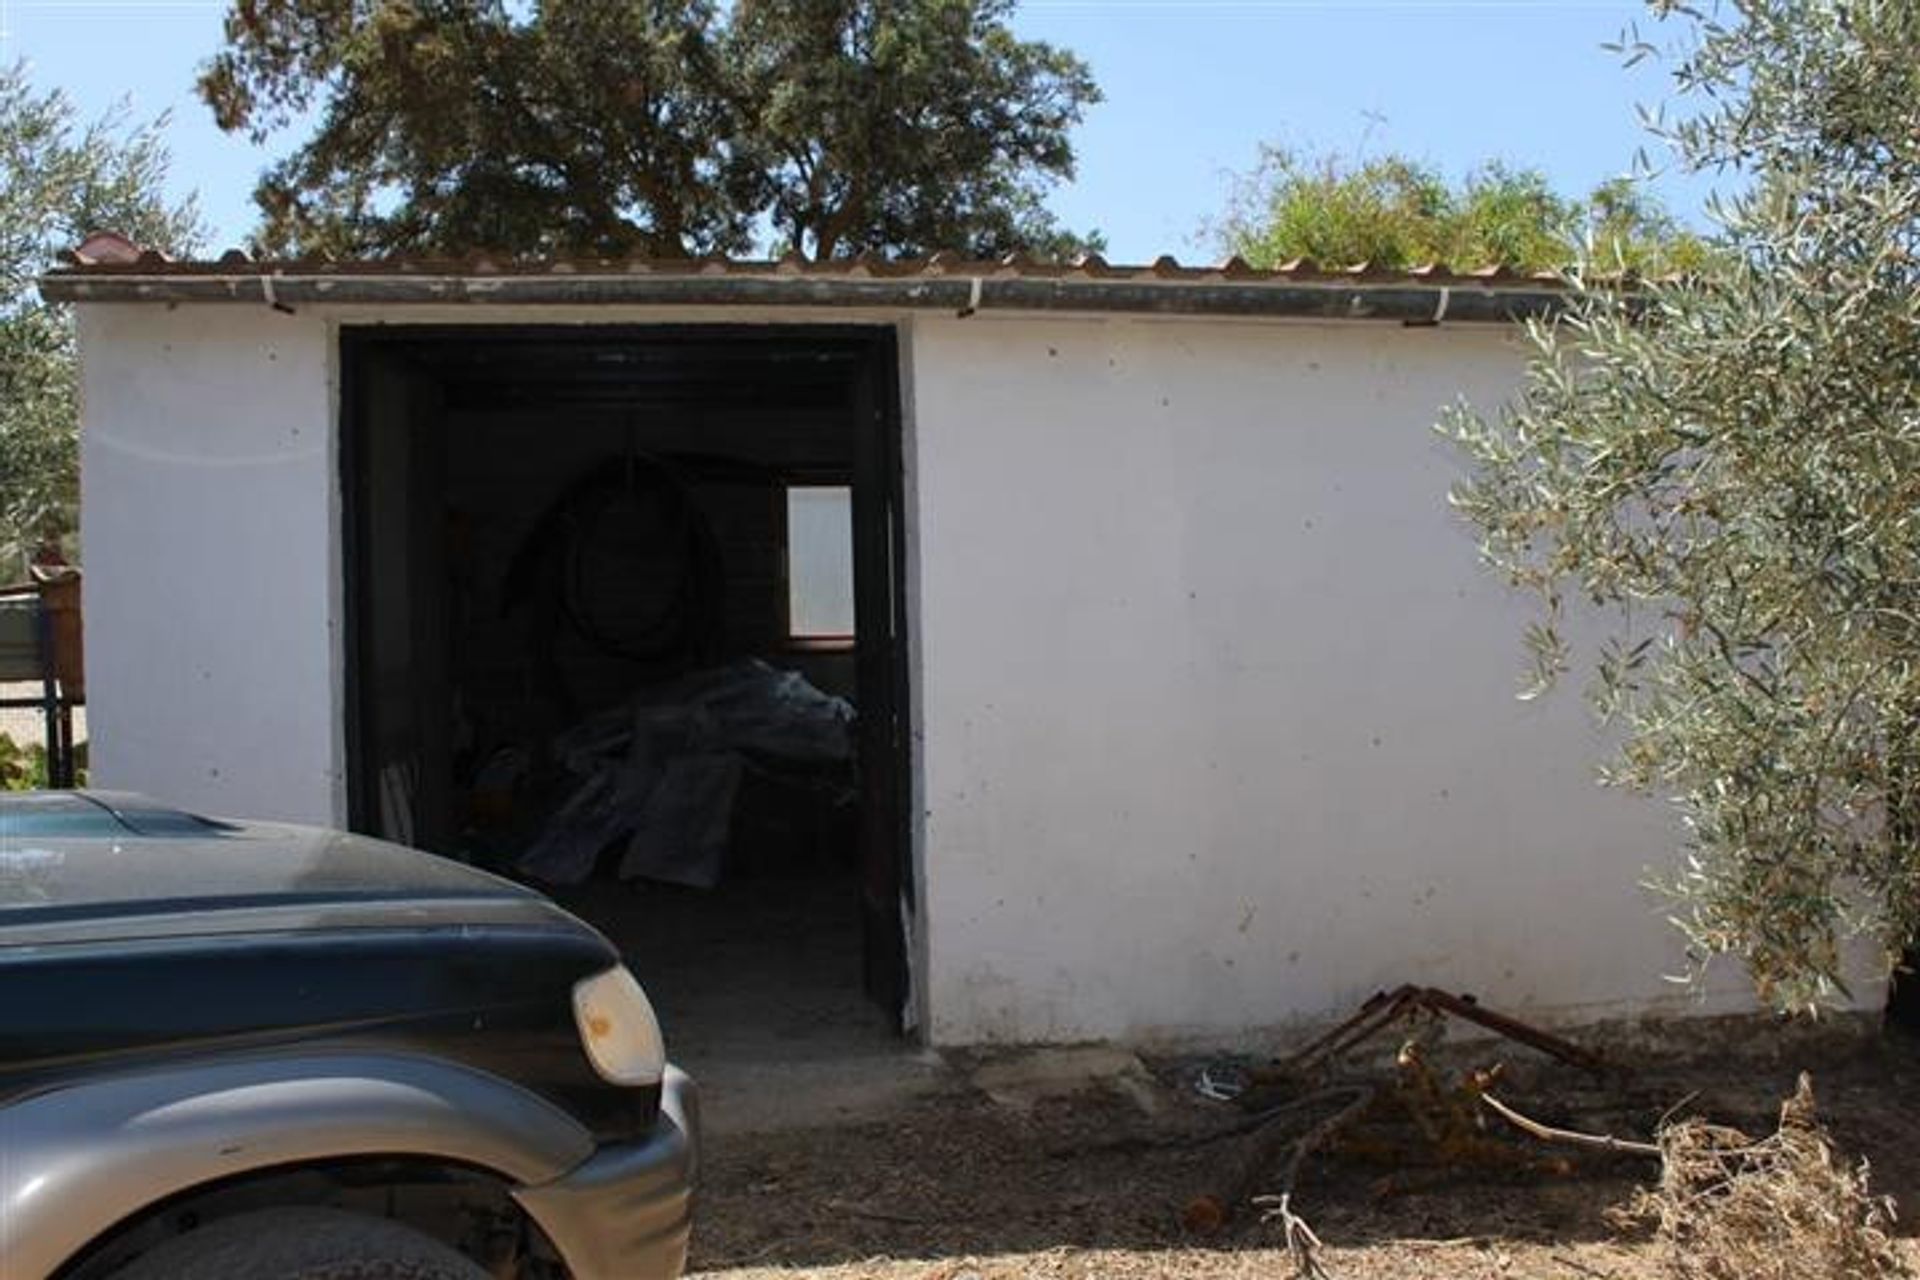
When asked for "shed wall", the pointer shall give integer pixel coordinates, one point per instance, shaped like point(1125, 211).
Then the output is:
point(1214, 708)
point(1218, 707)
point(209, 539)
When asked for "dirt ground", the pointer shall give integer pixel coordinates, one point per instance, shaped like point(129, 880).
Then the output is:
point(958, 1187)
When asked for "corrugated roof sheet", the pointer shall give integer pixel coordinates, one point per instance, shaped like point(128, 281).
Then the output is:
point(106, 253)
point(108, 267)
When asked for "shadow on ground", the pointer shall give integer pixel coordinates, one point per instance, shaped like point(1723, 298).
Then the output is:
point(1096, 1185)
point(836, 1153)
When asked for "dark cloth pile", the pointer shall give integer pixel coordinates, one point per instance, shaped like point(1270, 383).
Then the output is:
point(663, 773)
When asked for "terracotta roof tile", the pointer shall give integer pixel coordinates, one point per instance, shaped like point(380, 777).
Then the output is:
point(102, 248)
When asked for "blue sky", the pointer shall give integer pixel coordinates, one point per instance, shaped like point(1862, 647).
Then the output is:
point(1193, 87)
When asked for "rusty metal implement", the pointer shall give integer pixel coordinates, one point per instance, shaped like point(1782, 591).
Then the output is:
point(1385, 1008)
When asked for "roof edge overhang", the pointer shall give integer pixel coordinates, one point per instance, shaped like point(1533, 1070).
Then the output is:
point(1404, 298)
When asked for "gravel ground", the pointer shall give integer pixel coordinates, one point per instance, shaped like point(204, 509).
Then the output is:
point(961, 1188)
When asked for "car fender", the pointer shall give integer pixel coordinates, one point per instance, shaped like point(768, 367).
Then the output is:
point(77, 1160)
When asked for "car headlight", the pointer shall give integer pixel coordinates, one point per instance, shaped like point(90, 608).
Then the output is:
point(618, 1029)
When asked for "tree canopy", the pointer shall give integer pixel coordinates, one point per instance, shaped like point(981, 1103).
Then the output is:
point(1729, 467)
point(1395, 213)
point(659, 127)
point(59, 180)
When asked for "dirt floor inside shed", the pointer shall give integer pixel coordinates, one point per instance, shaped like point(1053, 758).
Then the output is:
point(958, 1186)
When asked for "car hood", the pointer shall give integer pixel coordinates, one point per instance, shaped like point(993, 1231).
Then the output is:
point(95, 865)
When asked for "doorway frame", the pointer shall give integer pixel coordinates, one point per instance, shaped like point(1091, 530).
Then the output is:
point(887, 875)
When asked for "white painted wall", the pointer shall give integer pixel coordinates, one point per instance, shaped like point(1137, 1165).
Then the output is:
point(1218, 710)
point(211, 539)
point(207, 490)
point(1215, 708)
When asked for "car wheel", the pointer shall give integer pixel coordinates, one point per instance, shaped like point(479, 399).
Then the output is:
point(302, 1244)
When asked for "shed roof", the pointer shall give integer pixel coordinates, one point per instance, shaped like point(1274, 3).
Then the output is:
point(109, 268)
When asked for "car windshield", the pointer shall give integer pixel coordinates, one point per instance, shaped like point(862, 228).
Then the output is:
point(76, 816)
point(111, 853)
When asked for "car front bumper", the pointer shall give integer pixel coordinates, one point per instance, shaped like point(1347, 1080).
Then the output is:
point(626, 1211)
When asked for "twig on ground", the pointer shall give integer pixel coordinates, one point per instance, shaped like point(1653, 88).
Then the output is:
point(1303, 1246)
point(1666, 1117)
point(1319, 1136)
point(1271, 1140)
point(1211, 1211)
point(1568, 1137)
point(876, 1215)
point(1190, 1141)
point(1261, 1119)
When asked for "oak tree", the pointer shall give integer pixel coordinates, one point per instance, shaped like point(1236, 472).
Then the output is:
point(656, 127)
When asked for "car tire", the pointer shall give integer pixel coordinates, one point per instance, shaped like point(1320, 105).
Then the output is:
point(302, 1244)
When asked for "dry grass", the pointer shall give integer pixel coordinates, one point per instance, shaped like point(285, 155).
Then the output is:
point(1440, 1260)
point(1728, 1207)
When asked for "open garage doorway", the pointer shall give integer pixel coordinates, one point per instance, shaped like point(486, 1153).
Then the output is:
point(625, 622)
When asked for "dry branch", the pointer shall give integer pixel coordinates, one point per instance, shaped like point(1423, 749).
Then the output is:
point(1303, 1246)
point(1273, 1137)
point(1568, 1137)
point(1259, 1120)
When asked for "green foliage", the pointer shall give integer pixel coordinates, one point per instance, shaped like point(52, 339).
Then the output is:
point(59, 180)
point(906, 127)
point(24, 768)
point(1393, 213)
point(660, 127)
point(1730, 466)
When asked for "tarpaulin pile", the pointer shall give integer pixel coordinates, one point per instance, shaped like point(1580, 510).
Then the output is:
point(663, 773)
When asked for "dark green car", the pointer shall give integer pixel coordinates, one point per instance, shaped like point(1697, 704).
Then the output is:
point(265, 1052)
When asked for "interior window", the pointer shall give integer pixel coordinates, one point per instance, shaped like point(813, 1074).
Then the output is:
point(820, 562)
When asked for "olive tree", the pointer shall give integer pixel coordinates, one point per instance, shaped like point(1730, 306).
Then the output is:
point(59, 179)
point(1728, 465)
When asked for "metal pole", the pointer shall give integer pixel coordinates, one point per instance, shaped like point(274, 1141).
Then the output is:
point(59, 774)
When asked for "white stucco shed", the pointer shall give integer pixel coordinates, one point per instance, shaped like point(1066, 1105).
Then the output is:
point(1208, 712)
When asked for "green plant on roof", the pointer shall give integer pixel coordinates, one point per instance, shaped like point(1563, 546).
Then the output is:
point(1394, 213)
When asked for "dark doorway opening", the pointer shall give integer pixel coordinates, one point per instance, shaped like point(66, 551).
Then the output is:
point(626, 621)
